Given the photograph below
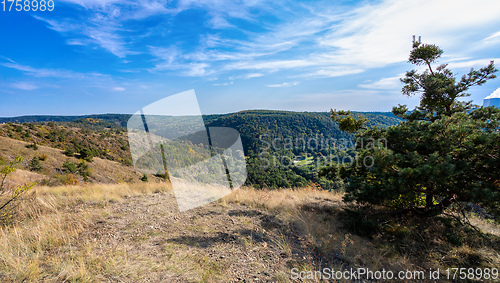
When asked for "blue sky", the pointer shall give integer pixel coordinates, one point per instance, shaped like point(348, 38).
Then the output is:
point(106, 56)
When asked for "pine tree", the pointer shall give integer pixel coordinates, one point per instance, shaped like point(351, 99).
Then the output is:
point(444, 152)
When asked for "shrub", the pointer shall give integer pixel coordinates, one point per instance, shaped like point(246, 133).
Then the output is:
point(69, 167)
point(69, 152)
point(86, 154)
point(67, 179)
point(33, 145)
point(35, 164)
point(83, 170)
point(10, 197)
point(144, 178)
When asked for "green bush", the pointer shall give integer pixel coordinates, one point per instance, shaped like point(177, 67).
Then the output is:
point(33, 145)
point(83, 170)
point(69, 152)
point(69, 167)
point(86, 154)
point(35, 164)
point(10, 197)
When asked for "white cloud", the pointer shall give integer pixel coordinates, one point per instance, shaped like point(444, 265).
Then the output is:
point(196, 69)
point(91, 3)
point(108, 38)
point(75, 42)
point(316, 40)
point(100, 31)
point(253, 75)
point(167, 54)
point(172, 59)
point(330, 72)
point(492, 38)
point(44, 72)
point(119, 88)
point(495, 94)
point(338, 43)
point(59, 26)
point(376, 35)
point(271, 65)
point(24, 86)
point(479, 63)
point(384, 83)
point(220, 10)
point(284, 84)
point(103, 23)
point(224, 84)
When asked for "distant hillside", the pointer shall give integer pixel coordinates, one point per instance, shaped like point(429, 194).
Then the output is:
point(276, 157)
point(117, 119)
point(122, 119)
point(284, 124)
point(102, 139)
point(52, 169)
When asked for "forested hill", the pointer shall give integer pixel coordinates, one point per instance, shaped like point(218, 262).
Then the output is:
point(263, 117)
point(284, 124)
point(287, 163)
point(253, 125)
point(117, 119)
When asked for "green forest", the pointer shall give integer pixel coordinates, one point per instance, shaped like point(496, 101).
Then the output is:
point(272, 161)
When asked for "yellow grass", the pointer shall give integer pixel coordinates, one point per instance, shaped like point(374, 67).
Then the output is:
point(99, 193)
point(314, 212)
point(37, 247)
point(46, 244)
point(287, 200)
point(318, 215)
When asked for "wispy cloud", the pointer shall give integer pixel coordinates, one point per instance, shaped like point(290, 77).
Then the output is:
point(24, 86)
point(253, 75)
point(284, 84)
point(493, 38)
point(119, 88)
point(336, 41)
point(376, 35)
point(478, 63)
point(102, 23)
point(269, 65)
point(330, 72)
point(221, 11)
point(45, 72)
point(224, 84)
point(384, 83)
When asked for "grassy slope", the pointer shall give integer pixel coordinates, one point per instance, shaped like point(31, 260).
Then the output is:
point(102, 171)
point(132, 233)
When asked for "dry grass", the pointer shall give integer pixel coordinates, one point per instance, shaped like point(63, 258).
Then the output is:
point(322, 220)
point(44, 245)
point(47, 245)
point(283, 201)
point(316, 215)
point(99, 193)
point(102, 170)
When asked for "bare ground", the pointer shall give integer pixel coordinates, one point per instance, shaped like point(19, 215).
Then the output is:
point(218, 242)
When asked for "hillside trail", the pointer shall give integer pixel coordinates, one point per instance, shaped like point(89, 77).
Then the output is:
point(148, 240)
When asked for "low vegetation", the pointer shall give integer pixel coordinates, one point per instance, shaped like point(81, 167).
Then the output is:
point(251, 234)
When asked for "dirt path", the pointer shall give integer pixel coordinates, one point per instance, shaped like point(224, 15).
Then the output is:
point(150, 241)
